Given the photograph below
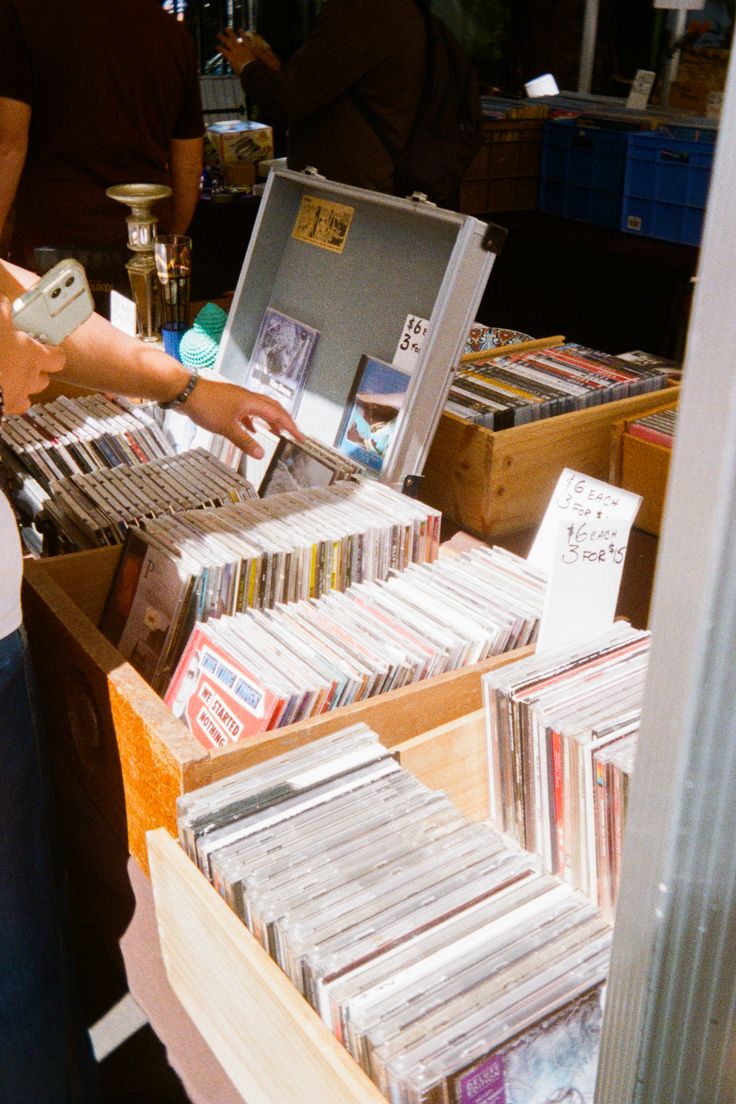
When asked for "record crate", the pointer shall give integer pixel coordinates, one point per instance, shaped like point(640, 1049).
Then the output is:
point(269, 1040)
point(122, 744)
point(642, 467)
point(666, 183)
point(505, 174)
point(582, 171)
point(491, 483)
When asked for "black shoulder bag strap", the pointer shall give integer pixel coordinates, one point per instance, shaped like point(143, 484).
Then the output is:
point(374, 120)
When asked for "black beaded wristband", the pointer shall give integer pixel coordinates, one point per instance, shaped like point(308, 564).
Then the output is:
point(2, 403)
point(182, 397)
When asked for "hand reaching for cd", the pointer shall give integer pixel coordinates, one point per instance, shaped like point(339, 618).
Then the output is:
point(225, 408)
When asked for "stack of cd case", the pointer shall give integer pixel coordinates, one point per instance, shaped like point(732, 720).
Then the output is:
point(658, 427)
point(74, 436)
point(176, 570)
point(259, 670)
point(100, 507)
point(561, 730)
point(436, 951)
point(518, 388)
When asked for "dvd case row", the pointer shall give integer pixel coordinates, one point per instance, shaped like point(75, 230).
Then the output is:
point(449, 966)
point(264, 669)
point(517, 388)
point(561, 730)
point(177, 570)
point(100, 507)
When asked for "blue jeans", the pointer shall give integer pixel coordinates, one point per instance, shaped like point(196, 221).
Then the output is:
point(45, 1056)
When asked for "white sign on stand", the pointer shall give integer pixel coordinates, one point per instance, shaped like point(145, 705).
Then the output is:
point(641, 89)
point(123, 313)
point(581, 544)
point(410, 342)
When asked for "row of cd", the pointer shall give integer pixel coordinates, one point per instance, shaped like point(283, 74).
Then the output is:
point(658, 427)
point(100, 507)
point(74, 436)
point(522, 387)
point(243, 675)
point(561, 728)
point(186, 568)
point(437, 953)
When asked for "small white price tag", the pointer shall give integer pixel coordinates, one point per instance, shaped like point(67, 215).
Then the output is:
point(582, 544)
point(579, 499)
point(410, 342)
point(123, 313)
point(641, 89)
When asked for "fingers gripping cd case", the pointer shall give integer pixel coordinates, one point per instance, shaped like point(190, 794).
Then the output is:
point(338, 297)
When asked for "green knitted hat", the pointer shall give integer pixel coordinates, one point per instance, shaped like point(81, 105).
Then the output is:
point(199, 345)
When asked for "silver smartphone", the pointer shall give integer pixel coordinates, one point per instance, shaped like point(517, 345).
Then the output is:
point(52, 308)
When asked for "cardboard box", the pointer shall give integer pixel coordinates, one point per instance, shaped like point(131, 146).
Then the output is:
point(642, 467)
point(271, 1043)
point(491, 483)
point(126, 748)
point(238, 142)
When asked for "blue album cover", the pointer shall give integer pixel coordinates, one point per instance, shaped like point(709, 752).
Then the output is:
point(376, 399)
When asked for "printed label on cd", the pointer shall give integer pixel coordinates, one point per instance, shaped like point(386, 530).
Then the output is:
point(485, 1084)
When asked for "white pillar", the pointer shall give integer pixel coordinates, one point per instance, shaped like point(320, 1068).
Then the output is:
point(668, 1028)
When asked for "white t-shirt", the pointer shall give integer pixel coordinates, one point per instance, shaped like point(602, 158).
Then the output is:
point(11, 570)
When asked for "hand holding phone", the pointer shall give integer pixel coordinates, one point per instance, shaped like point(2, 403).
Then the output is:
point(53, 308)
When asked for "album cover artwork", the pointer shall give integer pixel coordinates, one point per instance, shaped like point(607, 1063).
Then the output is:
point(372, 413)
point(282, 355)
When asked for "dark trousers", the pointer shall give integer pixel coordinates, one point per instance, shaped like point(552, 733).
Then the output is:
point(45, 1055)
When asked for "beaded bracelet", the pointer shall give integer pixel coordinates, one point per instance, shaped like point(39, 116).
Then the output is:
point(182, 397)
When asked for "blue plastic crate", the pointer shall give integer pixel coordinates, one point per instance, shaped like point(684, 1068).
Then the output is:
point(666, 183)
point(582, 171)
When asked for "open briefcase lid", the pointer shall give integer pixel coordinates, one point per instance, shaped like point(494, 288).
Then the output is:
point(320, 318)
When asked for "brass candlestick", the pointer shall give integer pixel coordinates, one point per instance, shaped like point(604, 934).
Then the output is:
point(142, 266)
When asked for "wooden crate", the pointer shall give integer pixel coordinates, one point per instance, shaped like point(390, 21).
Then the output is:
point(642, 467)
point(504, 176)
point(117, 738)
point(247, 1010)
point(493, 483)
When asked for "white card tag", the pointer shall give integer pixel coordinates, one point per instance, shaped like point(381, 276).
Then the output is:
point(123, 313)
point(584, 579)
point(579, 499)
point(641, 89)
point(410, 342)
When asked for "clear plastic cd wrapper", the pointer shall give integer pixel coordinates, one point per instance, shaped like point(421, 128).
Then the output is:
point(274, 780)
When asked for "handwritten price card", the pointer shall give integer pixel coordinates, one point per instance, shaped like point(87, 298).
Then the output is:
point(410, 342)
point(582, 544)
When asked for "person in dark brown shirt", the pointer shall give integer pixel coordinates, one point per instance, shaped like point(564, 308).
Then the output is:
point(370, 49)
point(94, 93)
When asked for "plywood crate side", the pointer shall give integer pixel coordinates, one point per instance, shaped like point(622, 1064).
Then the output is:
point(644, 469)
point(85, 577)
point(452, 757)
point(493, 483)
point(103, 720)
point(396, 716)
point(270, 1042)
